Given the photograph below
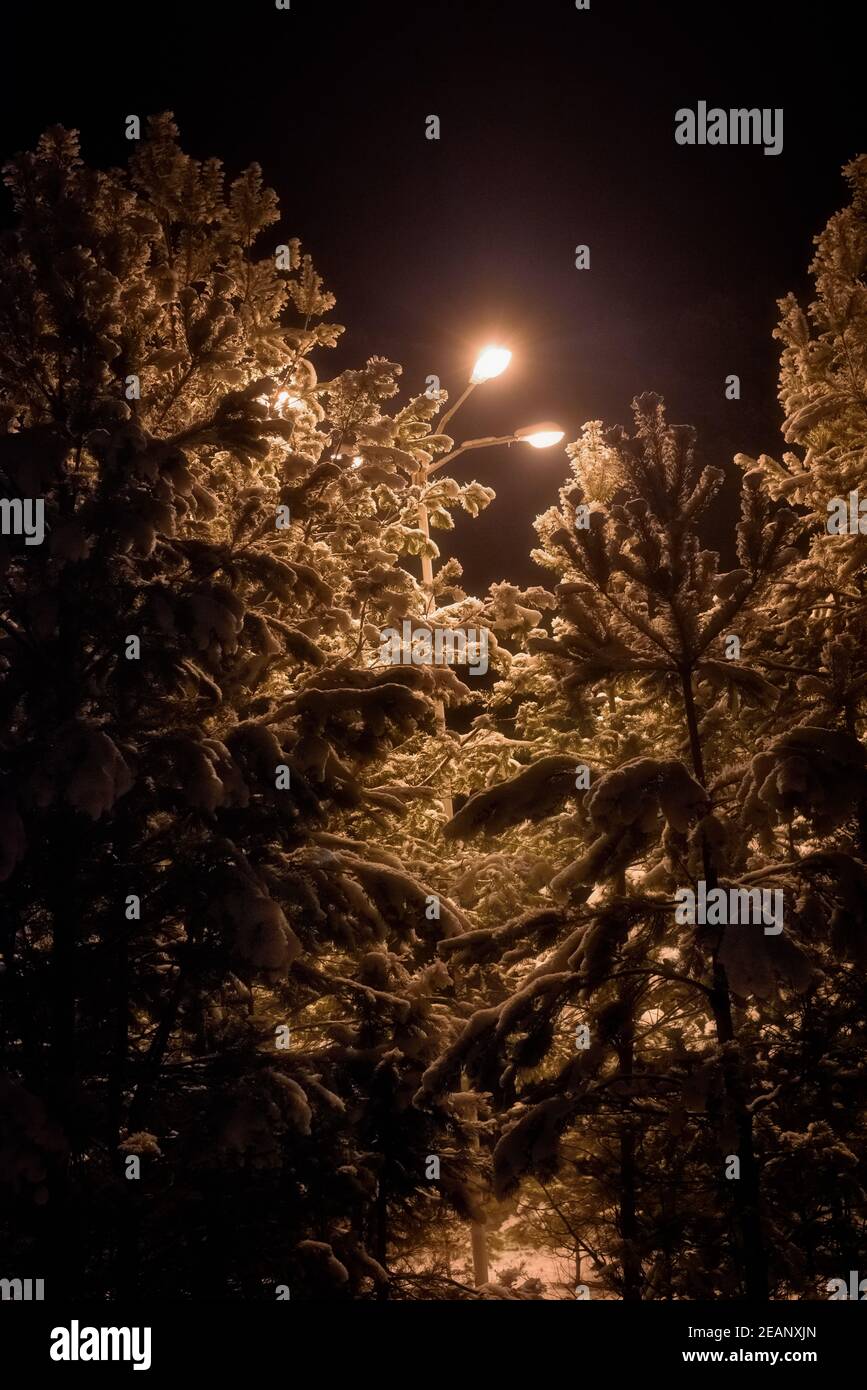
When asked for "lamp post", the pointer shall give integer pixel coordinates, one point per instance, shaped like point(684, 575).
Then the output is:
point(541, 436)
point(490, 363)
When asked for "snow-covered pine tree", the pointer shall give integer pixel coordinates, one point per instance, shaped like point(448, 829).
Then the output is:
point(811, 790)
point(633, 715)
point(820, 601)
point(460, 876)
point(211, 983)
point(770, 725)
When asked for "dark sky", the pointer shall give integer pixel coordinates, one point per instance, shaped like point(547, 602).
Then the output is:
point(557, 129)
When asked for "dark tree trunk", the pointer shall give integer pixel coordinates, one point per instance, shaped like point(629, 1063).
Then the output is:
point(380, 1234)
point(628, 1217)
point(745, 1188)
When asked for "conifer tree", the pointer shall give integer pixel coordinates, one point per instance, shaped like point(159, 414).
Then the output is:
point(217, 999)
point(816, 790)
point(653, 759)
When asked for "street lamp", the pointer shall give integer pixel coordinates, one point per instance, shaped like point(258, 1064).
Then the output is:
point(541, 436)
point(491, 362)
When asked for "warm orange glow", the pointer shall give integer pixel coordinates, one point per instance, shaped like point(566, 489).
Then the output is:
point(490, 362)
point(540, 436)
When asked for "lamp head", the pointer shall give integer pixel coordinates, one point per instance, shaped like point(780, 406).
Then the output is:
point(490, 362)
point(541, 436)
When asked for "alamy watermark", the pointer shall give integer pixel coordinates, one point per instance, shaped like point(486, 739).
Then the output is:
point(22, 1290)
point(77, 1343)
point(847, 516)
point(423, 646)
point(23, 516)
point(730, 907)
point(742, 126)
point(855, 1289)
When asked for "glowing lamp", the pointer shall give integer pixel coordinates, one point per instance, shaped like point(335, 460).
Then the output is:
point(490, 362)
point(540, 436)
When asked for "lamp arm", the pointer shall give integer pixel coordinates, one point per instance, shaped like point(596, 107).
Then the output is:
point(470, 444)
point(441, 424)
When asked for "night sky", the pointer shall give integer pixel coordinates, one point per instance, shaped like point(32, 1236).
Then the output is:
point(557, 129)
